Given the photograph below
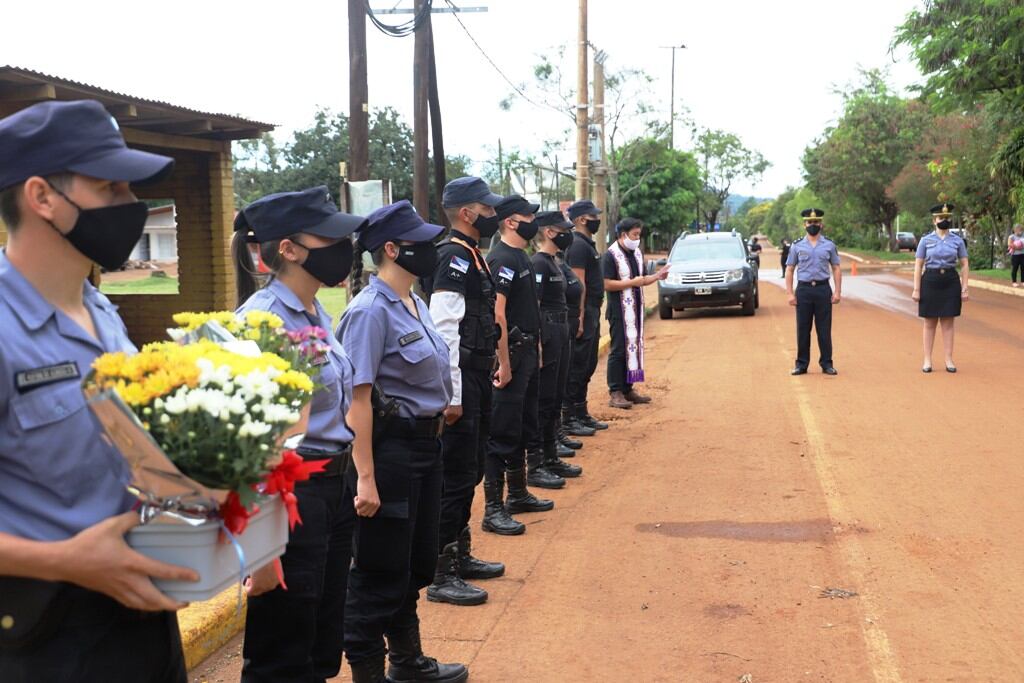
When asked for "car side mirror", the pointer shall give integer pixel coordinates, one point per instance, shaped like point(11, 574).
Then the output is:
point(660, 262)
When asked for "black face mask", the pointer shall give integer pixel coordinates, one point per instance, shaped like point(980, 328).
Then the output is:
point(486, 225)
point(562, 240)
point(944, 224)
point(813, 229)
point(419, 259)
point(108, 234)
point(331, 264)
point(593, 225)
point(526, 230)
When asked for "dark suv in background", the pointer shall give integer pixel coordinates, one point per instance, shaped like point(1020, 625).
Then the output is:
point(709, 270)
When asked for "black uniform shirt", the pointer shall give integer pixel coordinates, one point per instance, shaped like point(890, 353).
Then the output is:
point(611, 272)
point(514, 277)
point(550, 282)
point(582, 253)
point(573, 289)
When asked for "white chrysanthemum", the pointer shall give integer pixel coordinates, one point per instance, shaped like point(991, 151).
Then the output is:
point(254, 429)
point(177, 403)
point(278, 414)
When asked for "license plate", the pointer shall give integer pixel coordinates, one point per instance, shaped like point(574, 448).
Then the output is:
point(701, 291)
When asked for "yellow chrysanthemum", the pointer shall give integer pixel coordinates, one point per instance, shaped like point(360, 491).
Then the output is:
point(254, 319)
point(293, 379)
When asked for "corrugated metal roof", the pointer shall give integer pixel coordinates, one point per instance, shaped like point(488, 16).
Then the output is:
point(150, 114)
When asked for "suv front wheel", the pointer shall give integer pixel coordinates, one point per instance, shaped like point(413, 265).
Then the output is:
point(664, 311)
point(749, 305)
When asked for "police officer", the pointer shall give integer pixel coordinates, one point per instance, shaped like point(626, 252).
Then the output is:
point(784, 247)
point(811, 258)
point(76, 603)
point(514, 409)
point(397, 475)
point(939, 291)
point(295, 634)
point(573, 299)
point(552, 237)
point(583, 258)
point(462, 307)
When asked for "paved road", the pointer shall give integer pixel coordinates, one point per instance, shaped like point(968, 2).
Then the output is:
point(706, 527)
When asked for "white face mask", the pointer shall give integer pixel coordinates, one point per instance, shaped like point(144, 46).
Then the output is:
point(630, 244)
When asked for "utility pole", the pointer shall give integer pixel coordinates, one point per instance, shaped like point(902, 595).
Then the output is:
point(601, 167)
point(672, 97)
point(582, 84)
point(437, 137)
point(358, 97)
point(420, 87)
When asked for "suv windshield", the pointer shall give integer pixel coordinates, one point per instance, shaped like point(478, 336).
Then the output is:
point(699, 250)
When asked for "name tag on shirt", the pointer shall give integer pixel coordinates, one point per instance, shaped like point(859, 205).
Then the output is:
point(40, 377)
point(410, 338)
point(524, 273)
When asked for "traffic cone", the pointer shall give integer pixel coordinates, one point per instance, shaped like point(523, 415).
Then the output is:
point(853, 267)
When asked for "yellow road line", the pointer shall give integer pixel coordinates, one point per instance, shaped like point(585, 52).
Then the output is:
point(880, 653)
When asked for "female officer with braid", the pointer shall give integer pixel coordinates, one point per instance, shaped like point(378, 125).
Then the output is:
point(295, 634)
point(402, 387)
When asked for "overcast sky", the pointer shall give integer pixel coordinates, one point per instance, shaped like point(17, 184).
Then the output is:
point(762, 70)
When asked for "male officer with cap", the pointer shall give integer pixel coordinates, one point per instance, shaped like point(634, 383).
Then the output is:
point(462, 307)
point(812, 258)
point(76, 603)
point(583, 258)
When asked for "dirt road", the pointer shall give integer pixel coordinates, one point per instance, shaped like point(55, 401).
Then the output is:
point(706, 527)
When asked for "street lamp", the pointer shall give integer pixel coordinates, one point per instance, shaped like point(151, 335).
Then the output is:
point(672, 101)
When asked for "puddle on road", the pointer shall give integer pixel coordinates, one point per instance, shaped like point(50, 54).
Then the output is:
point(807, 531)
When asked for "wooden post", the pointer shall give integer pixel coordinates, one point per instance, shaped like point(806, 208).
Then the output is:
point(601, 167)
point(437, 137)
point(358, 97)
point(420, 86)
point(582, 102)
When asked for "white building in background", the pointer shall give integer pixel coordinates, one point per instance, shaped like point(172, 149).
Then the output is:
point(159, 241)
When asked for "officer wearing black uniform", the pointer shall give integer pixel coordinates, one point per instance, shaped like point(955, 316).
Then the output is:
point(811, 260)
point(583, 258)
point(462, 307)
point(552, 237)
point(573, 296)
point(514, 410)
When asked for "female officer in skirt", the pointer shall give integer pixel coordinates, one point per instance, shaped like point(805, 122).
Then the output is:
point(295, 633)
point(938, 289)
point(402, 387)
point(552, 237)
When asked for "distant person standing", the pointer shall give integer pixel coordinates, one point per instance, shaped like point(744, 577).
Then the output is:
point(810, 261)
point(939, 291)
point(755, 250)
point(784, 256)
point(1015, 247)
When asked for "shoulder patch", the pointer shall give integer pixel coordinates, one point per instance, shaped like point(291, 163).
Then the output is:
point(459, 264)
point(506, 274)
point(539, 278)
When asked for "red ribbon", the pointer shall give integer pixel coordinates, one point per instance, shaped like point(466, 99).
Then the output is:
point(234, 514)
point(282, 478)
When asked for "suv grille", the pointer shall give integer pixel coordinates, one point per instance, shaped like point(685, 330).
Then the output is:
point(713, 276)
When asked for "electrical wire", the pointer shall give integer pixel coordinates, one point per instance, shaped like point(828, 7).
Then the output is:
point(404, 29)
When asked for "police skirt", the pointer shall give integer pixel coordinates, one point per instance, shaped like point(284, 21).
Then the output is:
point(940, 293)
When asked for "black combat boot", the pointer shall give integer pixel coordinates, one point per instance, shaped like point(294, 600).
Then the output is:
point(563, 451)
point(566, 440)
point(588, 420)
point(539, 476)
point(575, 427)
point(496, 518)
point(520, 499)
point(368, 671)
point(553, 464)
point(448, 586)
point(407, 663)
point(470, 567)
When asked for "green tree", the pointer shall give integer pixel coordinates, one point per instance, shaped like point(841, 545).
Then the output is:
point(662, 193)
point(723, 159)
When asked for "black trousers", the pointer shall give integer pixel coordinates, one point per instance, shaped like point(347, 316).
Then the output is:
point(513, 417)
point(297, 634)
point(550, 382)
point(813, 306)
point(464, 445)
point(395, 551)
point(1017, 264)
point(617, 356)
point(100, 641)
point(573, 324)
point(584, 359)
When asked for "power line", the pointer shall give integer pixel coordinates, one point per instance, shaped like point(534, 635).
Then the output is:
point(404, 29)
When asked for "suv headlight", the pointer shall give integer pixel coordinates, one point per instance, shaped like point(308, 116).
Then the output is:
point(734, 275)
point(674, 279)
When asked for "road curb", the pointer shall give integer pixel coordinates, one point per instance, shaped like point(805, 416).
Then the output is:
point(995, 287)
point(206, 626)
point(606, 340)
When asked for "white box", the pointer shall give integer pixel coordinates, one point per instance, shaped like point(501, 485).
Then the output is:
point(216, 560)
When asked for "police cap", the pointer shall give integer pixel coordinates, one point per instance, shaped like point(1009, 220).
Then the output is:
point(514, 204)
point(311, 211)
point(813, 214)
point(552, 219)
point(396, 222)
point(943, 209)
point(468, 190)
point(583, 207)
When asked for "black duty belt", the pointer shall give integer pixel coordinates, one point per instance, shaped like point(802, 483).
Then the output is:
point(554, 316)
point(474, 360)
point(415, 427)
point(338, 460)
point(940, 271)
point(814, 283)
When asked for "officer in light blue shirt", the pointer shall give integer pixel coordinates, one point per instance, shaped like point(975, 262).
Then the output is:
point(76, 603)
point(388, 334)
point(296, 633)
point(812, 261)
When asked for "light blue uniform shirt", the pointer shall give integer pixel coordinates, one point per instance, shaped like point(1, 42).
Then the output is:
point(57, 474)
point(941, 253)
point(813, 262)
point(389, 346)
point(327, 427)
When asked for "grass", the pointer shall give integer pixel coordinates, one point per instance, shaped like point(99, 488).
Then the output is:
point(881, 255)
point(994, 273)
point(334, 300)
point(146, 285)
